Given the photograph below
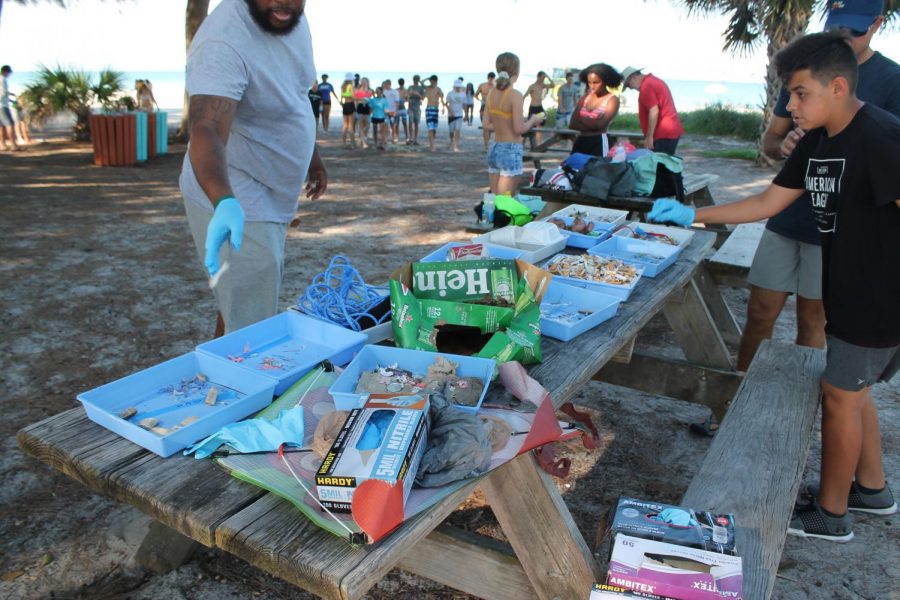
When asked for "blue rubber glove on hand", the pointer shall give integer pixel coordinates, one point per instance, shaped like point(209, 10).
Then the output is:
point(255, 435)
point(669, 210)
point(228, 220)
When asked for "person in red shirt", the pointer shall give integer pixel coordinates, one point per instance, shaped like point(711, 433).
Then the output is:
point(656, 109)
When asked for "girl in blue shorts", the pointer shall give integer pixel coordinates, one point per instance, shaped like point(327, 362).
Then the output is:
point(503, 114)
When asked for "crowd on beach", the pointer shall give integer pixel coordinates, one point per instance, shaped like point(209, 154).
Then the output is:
point(386, 111)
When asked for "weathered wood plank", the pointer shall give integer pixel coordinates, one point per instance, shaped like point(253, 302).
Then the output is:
point(673, 378)
point(272, 535)
point(731, 262)
point(715, 303)
point(552, 551)
point(472, 563)
point(754, 464)
point(624, 354)
point(190, 496)
point(695, 328)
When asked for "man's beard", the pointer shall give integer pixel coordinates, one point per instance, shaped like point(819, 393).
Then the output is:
point(263, 19)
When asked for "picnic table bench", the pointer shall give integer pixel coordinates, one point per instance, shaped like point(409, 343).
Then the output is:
point(547, 556)
point(731, 262)
point(754, 465)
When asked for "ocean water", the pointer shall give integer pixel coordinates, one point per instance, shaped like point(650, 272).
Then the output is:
point(168, 88)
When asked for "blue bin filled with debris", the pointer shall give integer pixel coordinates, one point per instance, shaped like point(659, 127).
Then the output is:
point(387, 366)
point(286, 347)
point(168, 407)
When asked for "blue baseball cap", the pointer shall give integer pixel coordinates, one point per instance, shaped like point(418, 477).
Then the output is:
point(853, 14)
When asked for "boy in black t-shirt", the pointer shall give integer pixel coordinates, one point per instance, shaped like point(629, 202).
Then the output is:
point(847, 162)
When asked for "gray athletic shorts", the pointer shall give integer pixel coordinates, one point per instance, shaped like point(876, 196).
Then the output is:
point(249, 281)
point(850, 367)
point(785, 265)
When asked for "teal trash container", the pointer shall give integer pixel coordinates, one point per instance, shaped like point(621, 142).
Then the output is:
point(141, 135)
point(162, 132)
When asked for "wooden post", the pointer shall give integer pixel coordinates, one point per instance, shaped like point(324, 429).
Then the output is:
point(552, 551)
point(715, 303)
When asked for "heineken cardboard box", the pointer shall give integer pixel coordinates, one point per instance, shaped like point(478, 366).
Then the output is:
point(488, 308)
point(385, 439)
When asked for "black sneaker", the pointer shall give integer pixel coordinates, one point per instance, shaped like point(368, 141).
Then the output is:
point(880, 503)
point(811, 522)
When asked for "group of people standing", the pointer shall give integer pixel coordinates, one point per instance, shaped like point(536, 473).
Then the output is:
point(589, 112)
point(385, 110)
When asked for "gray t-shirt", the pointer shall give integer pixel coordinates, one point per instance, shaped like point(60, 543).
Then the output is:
point(4, 92)
point(455, 101)
point(566, 96)
point(273, 133)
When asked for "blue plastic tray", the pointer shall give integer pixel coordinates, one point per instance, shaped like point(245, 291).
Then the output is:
point(582, 240)
point(286, 346)
point(619, 291)
point(496, 251)
point(153, 393)
point(569, 298)
point(652, 256)
point(343, 390)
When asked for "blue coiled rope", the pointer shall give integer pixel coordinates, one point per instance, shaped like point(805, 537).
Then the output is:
point(340, 295)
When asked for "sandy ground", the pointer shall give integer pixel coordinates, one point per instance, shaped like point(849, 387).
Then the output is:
point(100, 279)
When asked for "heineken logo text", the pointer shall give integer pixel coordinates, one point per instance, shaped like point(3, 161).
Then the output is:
point(475, 281)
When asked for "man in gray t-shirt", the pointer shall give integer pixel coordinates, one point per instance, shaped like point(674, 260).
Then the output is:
point(565, 97)
point(252, 146)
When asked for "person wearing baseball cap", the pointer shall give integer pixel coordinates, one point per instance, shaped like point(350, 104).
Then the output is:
point(788, 259)
point(656, 110)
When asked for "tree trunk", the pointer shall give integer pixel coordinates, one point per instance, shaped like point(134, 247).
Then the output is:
point(194, 15)
point(792, 25)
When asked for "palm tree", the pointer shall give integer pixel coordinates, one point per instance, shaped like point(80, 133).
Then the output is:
point(57, 90)
point(773, 22)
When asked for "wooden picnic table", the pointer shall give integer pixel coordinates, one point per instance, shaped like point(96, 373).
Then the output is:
point(547, 556)
point(557, 135)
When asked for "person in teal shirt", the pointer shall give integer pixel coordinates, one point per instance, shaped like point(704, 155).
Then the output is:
point(378, 104)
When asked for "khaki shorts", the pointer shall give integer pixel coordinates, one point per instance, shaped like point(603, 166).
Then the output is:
point(785, 265)
point(248, 283)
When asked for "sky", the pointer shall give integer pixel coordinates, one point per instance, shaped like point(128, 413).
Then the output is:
point(404, 35)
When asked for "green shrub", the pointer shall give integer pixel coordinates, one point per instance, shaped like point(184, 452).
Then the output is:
point(715, 119)
point(719, 119)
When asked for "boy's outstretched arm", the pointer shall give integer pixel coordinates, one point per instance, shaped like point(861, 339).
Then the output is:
point(754, 208)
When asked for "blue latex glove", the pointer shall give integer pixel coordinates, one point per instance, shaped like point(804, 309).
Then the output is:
point(255, 435)
point(228, 220)
point(675, 516)
point(669, 210)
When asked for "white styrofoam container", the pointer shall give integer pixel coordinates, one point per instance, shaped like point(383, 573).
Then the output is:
point(537, 240)
point(603, 307)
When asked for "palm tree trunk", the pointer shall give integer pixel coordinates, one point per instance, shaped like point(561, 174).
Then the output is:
point(194, 15)
point(792, 25)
